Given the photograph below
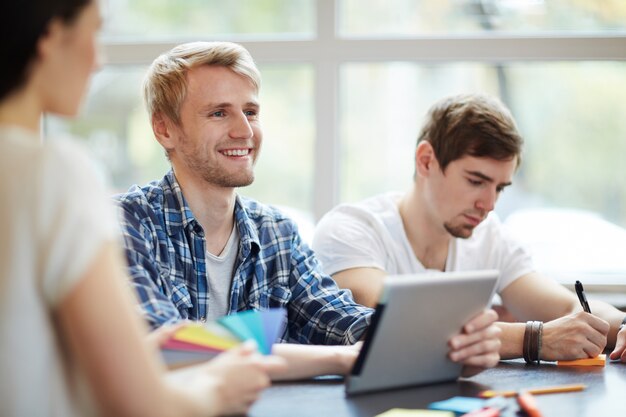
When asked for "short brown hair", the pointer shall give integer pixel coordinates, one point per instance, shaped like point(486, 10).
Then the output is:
point(165, 84)
point(471, 124)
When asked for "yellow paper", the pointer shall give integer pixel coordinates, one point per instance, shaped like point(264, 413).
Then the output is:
point(403, 412)
point(599, 360)
point(201, 336)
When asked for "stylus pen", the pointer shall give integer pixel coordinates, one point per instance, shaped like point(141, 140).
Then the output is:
point(581, 297)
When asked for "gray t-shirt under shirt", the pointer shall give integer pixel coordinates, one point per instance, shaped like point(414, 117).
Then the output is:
point(220, 270)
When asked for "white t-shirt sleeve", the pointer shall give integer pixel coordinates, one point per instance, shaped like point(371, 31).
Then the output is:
point(74, 221)
point(345, 240)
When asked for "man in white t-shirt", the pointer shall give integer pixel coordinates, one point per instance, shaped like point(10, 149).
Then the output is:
point(466, 154)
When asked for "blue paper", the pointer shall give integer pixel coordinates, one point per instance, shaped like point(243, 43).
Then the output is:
point(235, 324)
point(261, 326)
point(459, 405)
point(273, 323)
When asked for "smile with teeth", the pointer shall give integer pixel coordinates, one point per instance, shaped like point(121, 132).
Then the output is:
point(235, 152)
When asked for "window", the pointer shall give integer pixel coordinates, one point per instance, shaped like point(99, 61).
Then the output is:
point(345, 88)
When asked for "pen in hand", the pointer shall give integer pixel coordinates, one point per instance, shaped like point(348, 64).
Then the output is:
point(581, 297)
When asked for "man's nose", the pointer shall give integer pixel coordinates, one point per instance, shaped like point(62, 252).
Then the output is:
point(240, 128)
point(487, 200)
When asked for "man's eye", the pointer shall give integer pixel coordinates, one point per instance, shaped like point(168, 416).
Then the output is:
point(476, 183)
point(250, 113)
point(218, 113)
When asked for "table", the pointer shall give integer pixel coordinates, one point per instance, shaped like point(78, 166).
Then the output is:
point(605, 395)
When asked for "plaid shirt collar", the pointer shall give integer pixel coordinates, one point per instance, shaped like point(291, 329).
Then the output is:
point(180, 215)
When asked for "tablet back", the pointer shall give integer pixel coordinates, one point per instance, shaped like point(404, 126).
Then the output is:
point(406, 343)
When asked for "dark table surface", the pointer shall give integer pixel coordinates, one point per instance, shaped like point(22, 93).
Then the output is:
point(604, 396)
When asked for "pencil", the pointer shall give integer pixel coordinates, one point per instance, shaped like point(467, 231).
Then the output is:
point(534, 391)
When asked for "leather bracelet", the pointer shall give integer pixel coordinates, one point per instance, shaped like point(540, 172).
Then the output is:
point(526, 343)
point(532, 341)
point(539, 337)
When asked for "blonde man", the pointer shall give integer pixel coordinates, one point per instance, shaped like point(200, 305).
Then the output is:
point(197, 250)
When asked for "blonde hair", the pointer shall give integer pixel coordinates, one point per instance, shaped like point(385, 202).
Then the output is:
point(165, 84)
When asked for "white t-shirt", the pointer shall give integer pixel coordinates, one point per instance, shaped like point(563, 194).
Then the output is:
point(370, 234)
point(54, 217)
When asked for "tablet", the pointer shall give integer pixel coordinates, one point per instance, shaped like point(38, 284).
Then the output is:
point(406, 343)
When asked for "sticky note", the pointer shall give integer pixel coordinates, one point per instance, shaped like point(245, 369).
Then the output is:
point(459, 405)
point(402, 412)
point(599, 360)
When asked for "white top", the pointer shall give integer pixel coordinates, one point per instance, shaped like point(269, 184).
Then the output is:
point(54, 218)
point(220, 270)
point(370, 234)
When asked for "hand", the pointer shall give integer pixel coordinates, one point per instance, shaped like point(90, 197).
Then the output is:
point(620, 346)
point(240, 375)
point(158, 337)
point(478, 344)
point(575, 336)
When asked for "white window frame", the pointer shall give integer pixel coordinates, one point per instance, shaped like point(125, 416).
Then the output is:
point(326, 51)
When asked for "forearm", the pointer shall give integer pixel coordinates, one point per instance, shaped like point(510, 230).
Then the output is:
point(612, 315)
point(306, 361)
point(512, 339)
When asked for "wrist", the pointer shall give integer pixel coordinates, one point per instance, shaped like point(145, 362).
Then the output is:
point(531, 348)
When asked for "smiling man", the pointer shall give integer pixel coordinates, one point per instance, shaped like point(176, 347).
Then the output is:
point(197, 250)
point(466, 155)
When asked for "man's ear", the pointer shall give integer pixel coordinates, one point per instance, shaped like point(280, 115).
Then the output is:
point(425, 160)
point(164, 131)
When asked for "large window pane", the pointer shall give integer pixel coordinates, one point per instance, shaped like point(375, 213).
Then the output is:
point(382, 106)
point(115, 128)
point(171, 19)
point(423, 17)
point(568, 200)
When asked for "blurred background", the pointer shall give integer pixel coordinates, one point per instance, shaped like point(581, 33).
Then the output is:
point(346, 84)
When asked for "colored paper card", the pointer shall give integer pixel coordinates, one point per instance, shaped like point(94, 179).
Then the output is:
point(274, 321)
point(200, 336)
point(599, 360)
point(221, 332)
point(459, 405)
point(403, 412)
point(178, 358)
point(239, 327)
point(254, 323)
point(173, 344)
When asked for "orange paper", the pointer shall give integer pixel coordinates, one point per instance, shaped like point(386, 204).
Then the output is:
point(599, 360)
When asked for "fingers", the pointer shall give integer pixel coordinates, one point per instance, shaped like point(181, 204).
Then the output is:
point(477, 349)
point(461, 340)
point(620, 346)
point(576, 336)
point(601, 326)
point(480, 321)
point(483, 353)
point(161, 335)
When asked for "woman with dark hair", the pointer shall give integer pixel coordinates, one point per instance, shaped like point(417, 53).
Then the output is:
point(71, 342)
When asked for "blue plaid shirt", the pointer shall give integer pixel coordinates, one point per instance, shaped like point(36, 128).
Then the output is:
point(165, 248)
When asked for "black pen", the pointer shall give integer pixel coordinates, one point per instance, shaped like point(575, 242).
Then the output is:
point(581, 297)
